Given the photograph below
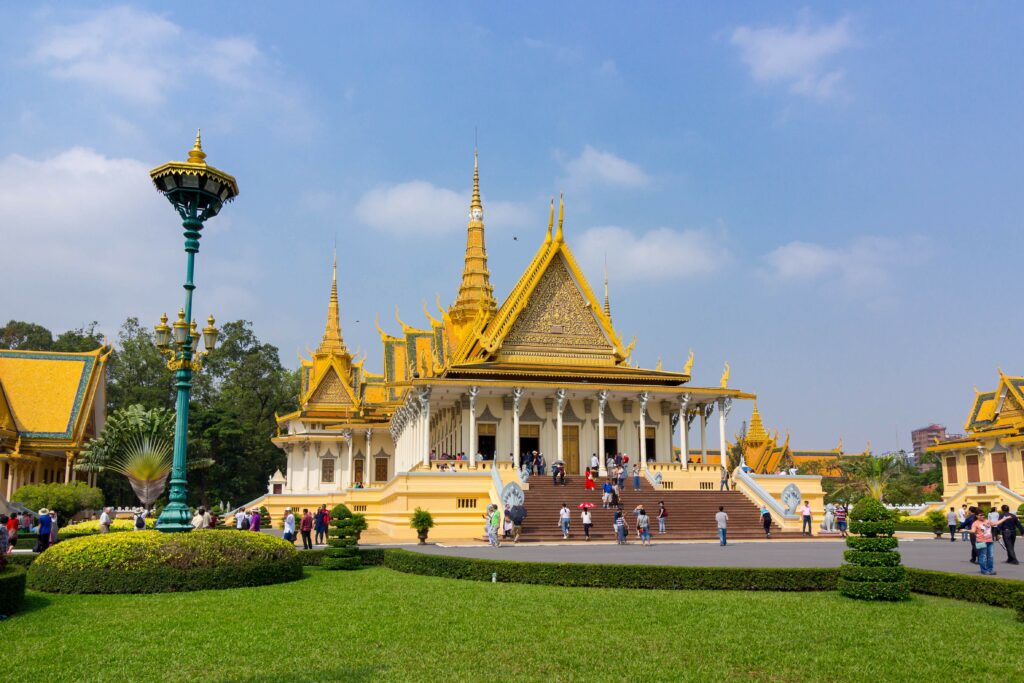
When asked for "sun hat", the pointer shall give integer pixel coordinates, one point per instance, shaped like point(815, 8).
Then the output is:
point(44, 511)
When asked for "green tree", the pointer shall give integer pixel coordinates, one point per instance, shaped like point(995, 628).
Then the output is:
point(81, 339)
point(17, 334)
point(138, 373)
point(67, 499)
point(868, 476)
point(146, 463)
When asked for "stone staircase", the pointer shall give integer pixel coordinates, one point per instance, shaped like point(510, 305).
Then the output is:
point(691, 514)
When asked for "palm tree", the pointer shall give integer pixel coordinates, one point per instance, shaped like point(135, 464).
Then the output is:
point(146, 462)
point(868, 476)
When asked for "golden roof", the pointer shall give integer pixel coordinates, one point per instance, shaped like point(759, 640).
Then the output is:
point(999, 410)
point(333, 341)
point(756, 432)
point(475, 291)
point(49, 395)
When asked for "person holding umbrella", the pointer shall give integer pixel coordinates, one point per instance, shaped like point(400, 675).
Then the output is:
point(518, 514)
point(585, 519)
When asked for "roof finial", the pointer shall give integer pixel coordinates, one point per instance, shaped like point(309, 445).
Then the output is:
point(332, 340)
point(475, 289)
point(551, 221)
point(475, 203)
point(607, 306)
point(561, 217)
point(196, 155)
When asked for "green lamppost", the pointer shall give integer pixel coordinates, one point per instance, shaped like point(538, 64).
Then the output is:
point(198, 191)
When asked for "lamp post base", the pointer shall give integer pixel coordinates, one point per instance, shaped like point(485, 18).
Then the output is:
point(175, 518)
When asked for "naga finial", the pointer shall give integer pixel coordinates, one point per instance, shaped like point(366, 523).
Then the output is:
point(689, 363)
point(725, 376)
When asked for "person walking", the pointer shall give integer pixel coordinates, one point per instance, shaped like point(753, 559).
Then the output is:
point(105, 521)
point(841, 519)
point(724, 485)
point(45, 524)
point(540, 464)
point(306, 528)
point(587, 522)
point(622, 480)
point(961, 516)
point(54, 525)
point(722, 521)
point(982, 530)
point(805, 513)
point(239, 518)
point(636, 477)
point(254, 522)
point(289, 526)
point(495, 524)
point(518, 513)
point(12, 532)
point(606, 494)
point(766, 521)
point(563, 521)
point(952, 523)
point(588, 480)
point(662, 516)
point(5, 539)
point(320, 526)
point(619, 524)
point(972, 515)
point(1009, 525)
point(643, 527)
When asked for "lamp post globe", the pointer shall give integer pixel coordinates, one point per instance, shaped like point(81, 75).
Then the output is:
point(197, 191)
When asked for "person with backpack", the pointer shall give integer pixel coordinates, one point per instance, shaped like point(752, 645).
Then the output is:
point(306, 528)
point(289, 524)
point(320, 524)
point(139, 523)
point(45, 523)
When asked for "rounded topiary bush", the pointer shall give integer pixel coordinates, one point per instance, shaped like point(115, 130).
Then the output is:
point(12, 589)
point(873, 571)
point(155, 562)
point(92, 527)
point(343, 541)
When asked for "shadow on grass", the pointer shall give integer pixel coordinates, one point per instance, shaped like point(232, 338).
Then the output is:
point(33, 602)
point(347, 674)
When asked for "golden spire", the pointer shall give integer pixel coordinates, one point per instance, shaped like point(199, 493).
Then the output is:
point(756, 433)
point(332, 341)
point(689, 363)
point(196, 155)
point(561, 217)
point(475, 290)
point(551, 222)
point(607, 306)
point(725, 376)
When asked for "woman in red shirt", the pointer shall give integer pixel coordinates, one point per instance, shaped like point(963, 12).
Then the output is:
point(306, 527)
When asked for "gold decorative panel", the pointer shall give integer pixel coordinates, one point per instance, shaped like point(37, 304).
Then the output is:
point(330, 390)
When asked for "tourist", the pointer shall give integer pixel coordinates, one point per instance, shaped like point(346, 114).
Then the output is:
point(1009, 526)
point(587, 522)
point(961, 516)
point(588, 480)
point(306, 529)
point(199, 519)
point(491, 527)
point(11, 523)
point(320, 525)
point(805, 514)
point(540, 464)
point(622, 479)
point(53, 526)
point(952, 523)
point(618, 460)
point(5, 540)
point(554, 474)
point(619, 524)
point(606, 494)
point(982, 530)
point(722, 521)
point(239, 518)
point(766, 521)
point(841, 514)
point(662, 516)
point(636, 477)
point(105, 520)
point(518, 515)
point(643, 527)
point(289, 525)
point(724, 485)
point(45, 523)
point(615, 496)
point(254, 522)
point(563, 521)
point(507, 524)
point(972, 514)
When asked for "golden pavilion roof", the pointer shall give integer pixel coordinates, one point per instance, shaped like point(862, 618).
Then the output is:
point(998, 413)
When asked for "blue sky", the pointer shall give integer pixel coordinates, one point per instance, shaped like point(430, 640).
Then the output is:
point(827, 197)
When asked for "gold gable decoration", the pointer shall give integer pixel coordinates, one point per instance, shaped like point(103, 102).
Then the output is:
point(331, 390)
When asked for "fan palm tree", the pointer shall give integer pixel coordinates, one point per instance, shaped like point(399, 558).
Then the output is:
point(868, 476)
point(146, 462)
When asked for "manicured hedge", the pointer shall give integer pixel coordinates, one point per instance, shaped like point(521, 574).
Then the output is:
point(155, 562)
point(92, 527)
point(612, 575)
point(865, 558)
point(852, 572)
point(343, 539)
point(311, 558)
point(874, 550)
point(969, 587)
point(12, 589)
point(876, 545)
point(22, 559)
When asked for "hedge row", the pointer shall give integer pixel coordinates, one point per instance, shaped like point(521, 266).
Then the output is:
point(12, 589)
point(970, 588)
point(22, 559)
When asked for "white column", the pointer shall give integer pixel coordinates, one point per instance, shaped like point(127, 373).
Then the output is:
point(644, 396)
point(67, 468)
point(425, 409)
point(724, 405)
point(350, 473)
point(560, 399)
point(703, 434)
point(684, 430)
point(10, 478)
point(602, 401)
point(368, 460)
point(517, 395)
point(305, 466)
point(473, 391)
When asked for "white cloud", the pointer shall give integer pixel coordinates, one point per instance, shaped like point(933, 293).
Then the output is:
point(145, 58)
point(658, 255)
point(798, 57)
point(419, 207)
point(594, 167)
point(866, 263)
point(88, 237)
point(608, 69)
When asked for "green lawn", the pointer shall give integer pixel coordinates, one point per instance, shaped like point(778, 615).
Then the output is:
point(377, 624)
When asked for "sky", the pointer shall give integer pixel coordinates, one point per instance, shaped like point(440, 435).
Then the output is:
point(827, 197)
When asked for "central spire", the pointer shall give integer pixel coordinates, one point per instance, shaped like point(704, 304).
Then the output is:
point(475, 291)
point(332, 341)
point(607, 305)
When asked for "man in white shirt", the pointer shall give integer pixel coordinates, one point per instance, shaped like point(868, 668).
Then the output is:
point(594, 462)
point(239, 516)
point(289, 525)
point(805, 513)
point(105, 521)
point(722, 520)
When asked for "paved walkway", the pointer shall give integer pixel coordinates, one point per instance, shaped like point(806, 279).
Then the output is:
point(922, 554)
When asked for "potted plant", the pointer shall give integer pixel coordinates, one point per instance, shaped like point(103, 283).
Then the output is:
point(358, 524)
point(422, 521)
point(937, 522)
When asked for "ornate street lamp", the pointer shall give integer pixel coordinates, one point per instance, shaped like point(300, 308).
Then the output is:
point(197, 191)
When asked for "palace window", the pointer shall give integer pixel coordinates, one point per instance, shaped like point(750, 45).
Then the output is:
point(327, 470)
point(380, 472)
point(951, 470)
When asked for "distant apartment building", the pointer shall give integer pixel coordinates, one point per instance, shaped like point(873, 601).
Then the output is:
point(926, 437)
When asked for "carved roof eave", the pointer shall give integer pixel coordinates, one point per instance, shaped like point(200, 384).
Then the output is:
point(620, 373)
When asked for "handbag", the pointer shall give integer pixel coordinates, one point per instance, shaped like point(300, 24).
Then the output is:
point(980, 544)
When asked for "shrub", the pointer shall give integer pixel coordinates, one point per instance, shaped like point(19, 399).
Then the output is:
point(265, 522)
point(358, 524)
point(937, 523)
point(155, 562)
point(873, 571)
point(914, 525)
point(422, 521)
point(67, 499)
point(12, 589)
point(1020, 510)
point(311, 558)
point(969, 587)
point(342, 539)
point(22, 559)
point(92, 527)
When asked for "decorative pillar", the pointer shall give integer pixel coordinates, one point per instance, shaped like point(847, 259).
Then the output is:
point(350, 473)
point(305, 465)
point(703, 434)
point(724, 405)
point(560, 398)
point(517, 395)
point(684, 430)
point(10, 478)
point(425, 409)
point(367, 465)
point(602, 401)
point(69, 456)
point(473, 391)
point(644, 397)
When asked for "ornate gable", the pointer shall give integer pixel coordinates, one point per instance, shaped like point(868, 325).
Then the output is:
point(331, 390)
